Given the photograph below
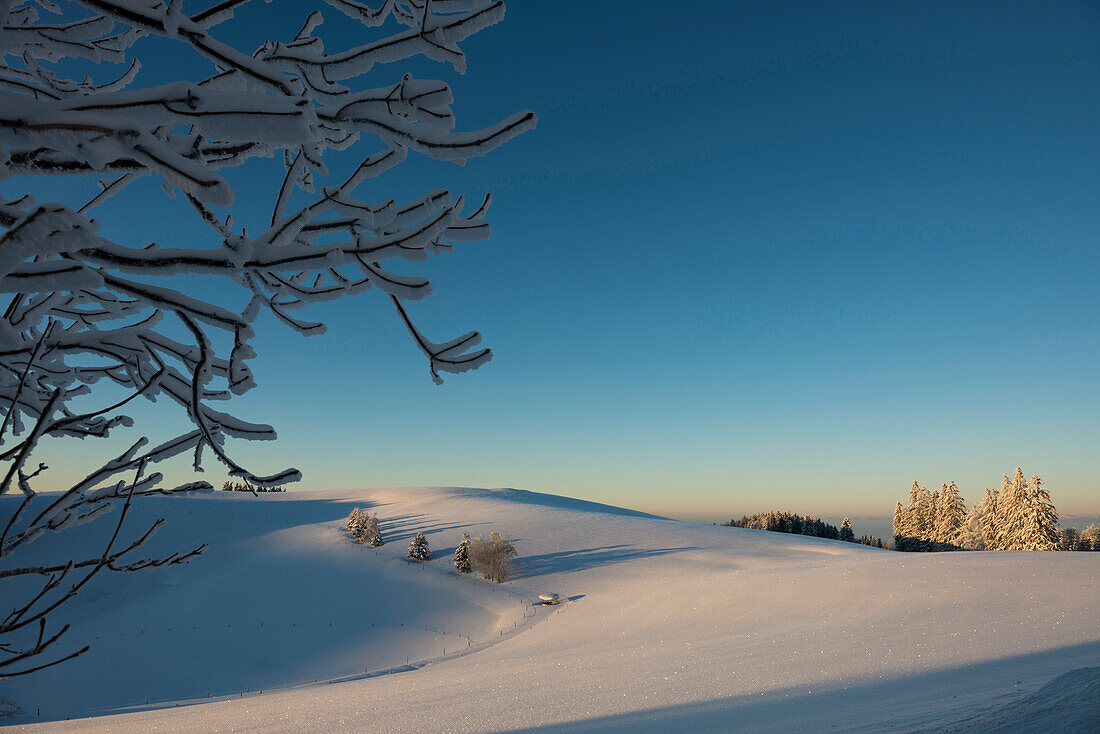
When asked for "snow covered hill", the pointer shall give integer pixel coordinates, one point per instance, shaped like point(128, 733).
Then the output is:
point(666, 624)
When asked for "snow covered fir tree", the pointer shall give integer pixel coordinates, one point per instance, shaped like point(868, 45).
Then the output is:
point(462, 555)
point(1020, 516)
point(364, 528)
point(418, 549)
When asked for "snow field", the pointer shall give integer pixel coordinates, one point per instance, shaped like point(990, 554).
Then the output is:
point(667, 624)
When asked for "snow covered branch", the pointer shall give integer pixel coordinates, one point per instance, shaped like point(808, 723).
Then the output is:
point(86, 309)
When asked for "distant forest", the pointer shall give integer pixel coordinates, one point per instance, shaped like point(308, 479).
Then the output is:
point(789, 522)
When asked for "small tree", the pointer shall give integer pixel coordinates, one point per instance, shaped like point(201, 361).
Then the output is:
point(846, 533)
point(418, 549)
point(356, 523)
point(372, 532)
point(462, 555)
point(364, 528)
point(493, 557)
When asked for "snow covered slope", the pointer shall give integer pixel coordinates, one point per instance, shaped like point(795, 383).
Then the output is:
point(667, 624)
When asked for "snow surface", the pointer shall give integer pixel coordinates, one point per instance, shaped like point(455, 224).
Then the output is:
point(663, 624)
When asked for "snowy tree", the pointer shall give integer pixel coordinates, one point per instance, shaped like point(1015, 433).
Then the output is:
point(924, 525)
point(970, 536)
point(364, 528)
point(492, 557)
point(356, 522)
point(900, 529)
point(372, 533)
point(846, 533)
point(462, 555)
point(1040, 519)
point(950, 514)
point(1090, 538)
point(916, 521)
point(1013, 507)
point(90, 306)
point(1069, 540)
point(418, 549)
point(989, 522)
point(935, 513)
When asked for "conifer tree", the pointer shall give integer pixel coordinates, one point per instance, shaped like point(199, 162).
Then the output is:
point(372, 532)
point(418, 549)
point(462, 555)
point(1069, 540)
point(846, 533)
point(357, 525)
point(924, 520)
point(950, 515)
point(1040, 519)
point(970, 535)
point(936, 510)
point(1090, 538)
point(899, 527)
point(989, 520)
point(1012, 512)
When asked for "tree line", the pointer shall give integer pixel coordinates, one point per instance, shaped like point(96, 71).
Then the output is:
point(1018, 516)
point(789, 522)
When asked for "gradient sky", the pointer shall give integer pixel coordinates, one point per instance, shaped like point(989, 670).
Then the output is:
point(755, 256)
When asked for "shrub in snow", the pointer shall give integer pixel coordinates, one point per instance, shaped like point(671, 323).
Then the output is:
point(418, 549)
point(90, 305)
point(492, 557)
point(462, 555)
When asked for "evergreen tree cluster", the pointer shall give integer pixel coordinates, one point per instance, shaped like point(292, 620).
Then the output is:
point(789, 522)
point(364, 528)
point(1069, 539)
point(1020, 516)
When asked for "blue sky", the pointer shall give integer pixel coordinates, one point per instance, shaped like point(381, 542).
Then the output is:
point(755, 256)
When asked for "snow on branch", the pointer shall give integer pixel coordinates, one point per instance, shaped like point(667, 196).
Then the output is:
point(85, 309)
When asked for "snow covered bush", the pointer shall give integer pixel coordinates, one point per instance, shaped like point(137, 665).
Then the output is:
point(419, 550)
point(93, 306)
point(462, 555)
point(493, 557)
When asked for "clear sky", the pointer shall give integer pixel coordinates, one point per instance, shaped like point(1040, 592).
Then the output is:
point(755, 256)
